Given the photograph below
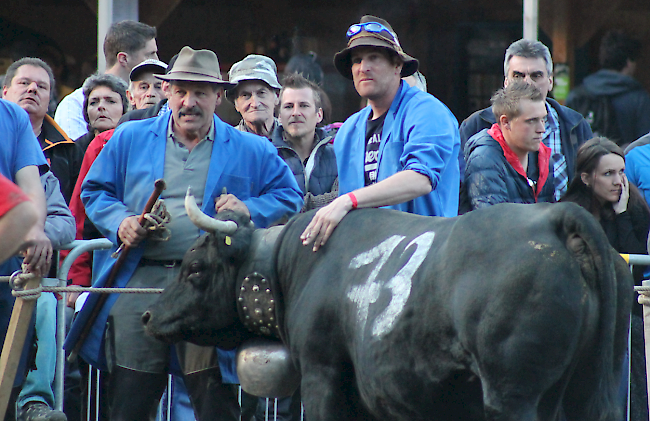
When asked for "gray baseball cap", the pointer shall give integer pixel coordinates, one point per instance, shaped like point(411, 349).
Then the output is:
point(255, 67)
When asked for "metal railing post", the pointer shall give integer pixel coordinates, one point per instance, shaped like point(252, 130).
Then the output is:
point(77, 247)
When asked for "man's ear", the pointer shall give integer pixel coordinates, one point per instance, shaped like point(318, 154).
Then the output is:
point(504, 122)
point(320, 116)
point(129, 96)
point(219, 97)
point(167, 89)
point(122, 58)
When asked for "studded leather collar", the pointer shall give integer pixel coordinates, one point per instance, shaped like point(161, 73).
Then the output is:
point(256, 306)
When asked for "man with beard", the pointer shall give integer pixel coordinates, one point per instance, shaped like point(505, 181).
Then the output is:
point(304, 146)
point(398, 152)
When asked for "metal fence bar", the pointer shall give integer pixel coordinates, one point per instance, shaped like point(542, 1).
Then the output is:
point(77, 247)
point(646, 328)
point(639, 259)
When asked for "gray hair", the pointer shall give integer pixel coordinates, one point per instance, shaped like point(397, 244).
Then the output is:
point(527, 48)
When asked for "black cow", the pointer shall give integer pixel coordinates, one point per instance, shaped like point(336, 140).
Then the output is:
point(515, 312)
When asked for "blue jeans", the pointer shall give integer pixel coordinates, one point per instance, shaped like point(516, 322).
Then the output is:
point(38, 383)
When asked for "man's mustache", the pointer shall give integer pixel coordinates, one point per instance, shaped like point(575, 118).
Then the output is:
point(190, 111)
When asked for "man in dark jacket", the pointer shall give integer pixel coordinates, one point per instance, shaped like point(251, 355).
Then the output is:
point(304, 147)
point(28, 83)
point(629, 100)
point(508, 163)
point(565, 129)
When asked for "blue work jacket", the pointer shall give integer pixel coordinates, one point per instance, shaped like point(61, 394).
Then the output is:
point(419, 134)
point(122, 178)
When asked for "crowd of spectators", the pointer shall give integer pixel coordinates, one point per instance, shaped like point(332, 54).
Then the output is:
point(87, 173)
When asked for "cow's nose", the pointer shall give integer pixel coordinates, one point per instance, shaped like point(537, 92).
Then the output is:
point(146, 317)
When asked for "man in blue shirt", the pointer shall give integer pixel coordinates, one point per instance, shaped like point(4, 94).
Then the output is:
point(401, 150)
point(187, 146)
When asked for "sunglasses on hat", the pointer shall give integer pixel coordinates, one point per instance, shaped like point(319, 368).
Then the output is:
point(372, 27)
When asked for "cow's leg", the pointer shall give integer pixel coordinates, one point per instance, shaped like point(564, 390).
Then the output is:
point(330, 394)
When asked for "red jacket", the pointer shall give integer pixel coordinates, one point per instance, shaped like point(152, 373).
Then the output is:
point(81, 271)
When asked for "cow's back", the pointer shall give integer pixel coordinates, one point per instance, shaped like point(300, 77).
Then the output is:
point(415, 305)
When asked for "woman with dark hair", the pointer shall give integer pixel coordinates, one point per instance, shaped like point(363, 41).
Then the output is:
point(104, 104)
point(601, 187)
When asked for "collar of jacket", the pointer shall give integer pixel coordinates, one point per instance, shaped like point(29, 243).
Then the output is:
point(543, 158)
point(53, 134)
point(277, 138)
point(571, 117)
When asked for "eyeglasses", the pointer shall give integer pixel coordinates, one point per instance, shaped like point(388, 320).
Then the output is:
point(372, 27)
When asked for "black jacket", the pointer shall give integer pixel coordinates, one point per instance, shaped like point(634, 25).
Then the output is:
point(143, 113)
point(629, 99)
point(574, 131)
point(490, 179)
point(63, 155)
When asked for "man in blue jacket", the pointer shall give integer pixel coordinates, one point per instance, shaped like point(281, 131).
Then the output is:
point(566, 129)
point(188, 146)
point(401, 150)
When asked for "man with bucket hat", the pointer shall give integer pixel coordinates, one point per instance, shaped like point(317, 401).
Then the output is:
point(188, 146)
point(398, 152)
point(255, 94)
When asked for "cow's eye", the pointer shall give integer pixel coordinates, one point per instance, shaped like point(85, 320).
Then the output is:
point(195, 267)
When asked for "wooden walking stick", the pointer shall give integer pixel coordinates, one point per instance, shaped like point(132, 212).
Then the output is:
point(159, 186)
point(14, 342)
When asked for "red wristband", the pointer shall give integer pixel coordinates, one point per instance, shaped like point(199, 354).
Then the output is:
point(353, 198)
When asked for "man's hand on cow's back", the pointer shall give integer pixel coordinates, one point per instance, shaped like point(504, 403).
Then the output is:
point(230, 202)
point(131, 232)
point(324, 221)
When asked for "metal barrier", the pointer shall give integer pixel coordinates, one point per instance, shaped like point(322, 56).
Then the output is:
point(644, 299)
point(79, 247)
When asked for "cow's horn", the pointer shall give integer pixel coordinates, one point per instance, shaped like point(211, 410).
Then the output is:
point(204, 221)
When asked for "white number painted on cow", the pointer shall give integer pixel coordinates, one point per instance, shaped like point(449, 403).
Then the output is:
point(400, 284)
point(366, 294)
